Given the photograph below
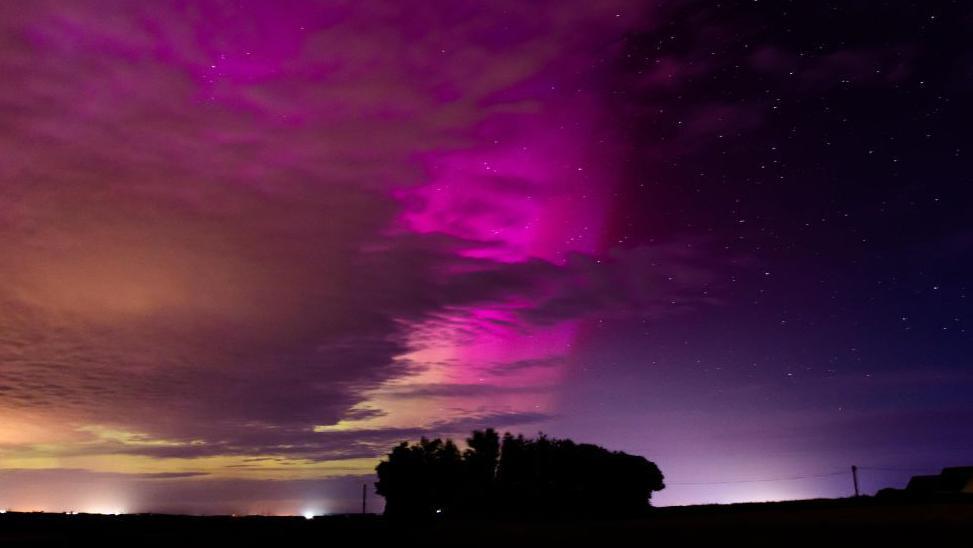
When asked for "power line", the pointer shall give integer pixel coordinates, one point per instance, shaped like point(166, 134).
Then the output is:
point(895, 469)
point(789, 478)
point(792, 478)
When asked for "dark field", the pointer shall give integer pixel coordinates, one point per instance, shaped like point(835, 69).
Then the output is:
point(862, 522)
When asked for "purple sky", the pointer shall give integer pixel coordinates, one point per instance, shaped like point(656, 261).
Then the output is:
point(248, 246)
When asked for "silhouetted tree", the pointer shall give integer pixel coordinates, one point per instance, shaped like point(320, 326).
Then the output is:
point(480, 460)
point(420, 479)
point(518, 476)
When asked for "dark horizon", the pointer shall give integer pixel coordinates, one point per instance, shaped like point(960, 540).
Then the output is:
point(247, 247)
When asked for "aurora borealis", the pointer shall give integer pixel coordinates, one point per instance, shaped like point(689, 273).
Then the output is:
point(246, 247)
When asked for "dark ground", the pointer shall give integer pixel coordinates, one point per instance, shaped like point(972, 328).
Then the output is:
point(837, 522)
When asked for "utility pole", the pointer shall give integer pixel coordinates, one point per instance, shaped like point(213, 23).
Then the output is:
point(854, 477)
point(364, 497)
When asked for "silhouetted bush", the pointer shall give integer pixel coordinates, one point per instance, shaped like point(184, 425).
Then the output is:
point(516, 477)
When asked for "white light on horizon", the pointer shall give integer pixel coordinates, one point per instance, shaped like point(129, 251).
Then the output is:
point(109, 511)
point(308, 515)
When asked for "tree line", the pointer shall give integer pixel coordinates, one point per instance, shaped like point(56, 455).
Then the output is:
point(514, 476)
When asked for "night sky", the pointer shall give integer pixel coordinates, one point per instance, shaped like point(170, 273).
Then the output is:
point(246, 247)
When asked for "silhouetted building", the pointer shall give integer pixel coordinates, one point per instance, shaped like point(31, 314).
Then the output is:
point(949, 482)
point(922, 485)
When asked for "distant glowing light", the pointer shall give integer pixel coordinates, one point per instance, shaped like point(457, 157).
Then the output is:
point(108, 511)
point(308, 515)
point(3, 510)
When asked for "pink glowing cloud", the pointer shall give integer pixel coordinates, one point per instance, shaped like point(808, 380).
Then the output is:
point(236, 223)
